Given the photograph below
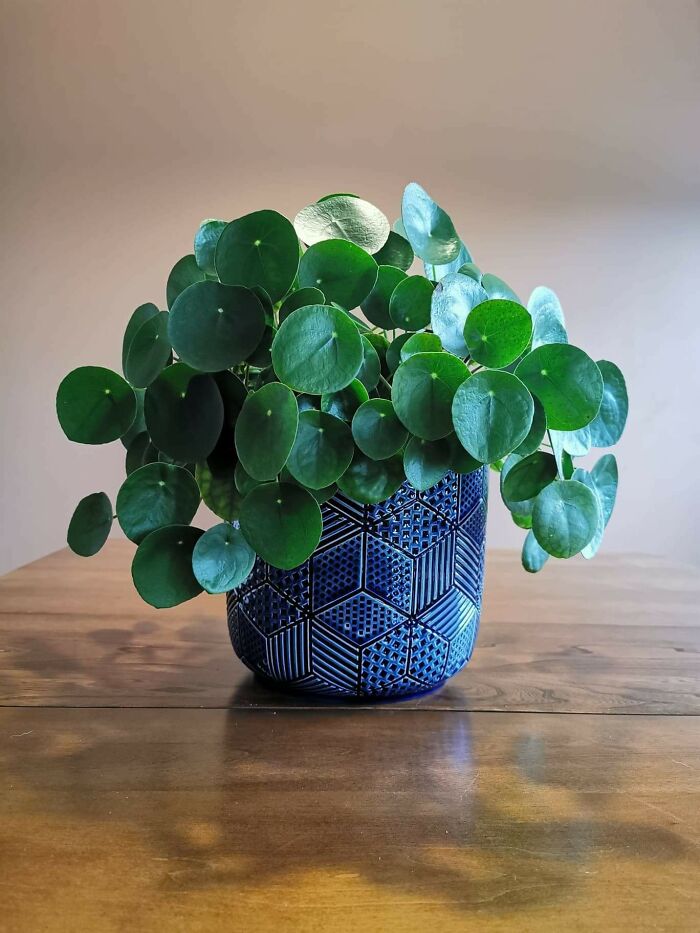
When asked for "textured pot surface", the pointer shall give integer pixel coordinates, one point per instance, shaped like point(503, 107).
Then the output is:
point(388, 604)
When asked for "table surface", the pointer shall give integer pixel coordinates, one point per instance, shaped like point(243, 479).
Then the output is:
point(147, 781)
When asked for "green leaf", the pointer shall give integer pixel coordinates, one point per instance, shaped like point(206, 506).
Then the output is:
point(300, 299)
point(520, 509)
point(496, 288)
point(184, 413)
point(140, 452)
point(420, 343)
point(343, 217)
point(395, 252)
point(605, 477)
point(473, 271)
point(536, 434)
point(370, 371)
point(205, 240)
point(217, 485)
point(492, 413)
point(142, 314)
point(222, 559)
point(497, 331)
point(423, 389)
point(393, 353)
point(265, 430)
point(461, 461)
point(213, 327)
point(282, 523)
point(439, 271)
point(337, 194)
point(320, 495)
point(426, 462)
point(377, 431)
point(428, 228)
point(261, 357)
point(565, 517)
point(371, 481)
point(529, 476)
point(409, 307)
point(534, 557)
point(154, 496)
point(317, 349)
point(380, 344)
point(453, 299)
point(149, 351)
point(138, 425)
point(95, 405)
point(244, 482)
point(375, 307)
point(162, 566)
point(259, 249)
point(90, 525)
point(342, 271)
point(184, 273)
point(566, 381)
point(547, 318)
point(322, 450)
point(344, 404)
point(607, 426)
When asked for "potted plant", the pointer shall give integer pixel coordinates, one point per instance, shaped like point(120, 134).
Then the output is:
point(345, 452)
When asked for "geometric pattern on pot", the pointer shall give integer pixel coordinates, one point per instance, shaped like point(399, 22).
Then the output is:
point(387, 605)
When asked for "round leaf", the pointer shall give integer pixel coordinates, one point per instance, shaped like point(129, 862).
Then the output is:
point(422, 393)
point(472, 270)
point(140, 452)
point(520, 509)
point(461, 461)
point(395, 252)
point(426, 462)
point(377, 431)
point(565, 517)
point(344, 404)
point(420, 343)
point(497, 331)
point(536, 433)
point(497, 288)
point(317, 349)
point(214, 327)
point(547, 318)
point(375, 307)
point(265, 430)
point(453, 299)
point(154, 496)
point(184, 413)
point(529, 476)
point(534, 557)
point(162, 566)
point(222, 559)
point(439, 271)
point(409, 307)
point(341, 270)
point(142, 314)
point(566, 381)
point(428, 228)
point(259, 249)
point(282, 523)
point(205, 240)
point(371, 481)
point(138, 425)
point(492, 414)
point(184, 273)
point(392, 357)
point(370, 371)
point(149, 351)
point(95, 405)
point(607, 426)
point(217, 485)
point(299, 299)
point(90, 525)
point(322, 450)
point(244, 482)
point(343, 217)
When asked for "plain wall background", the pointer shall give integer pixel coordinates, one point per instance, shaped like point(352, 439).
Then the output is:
point(563, 138)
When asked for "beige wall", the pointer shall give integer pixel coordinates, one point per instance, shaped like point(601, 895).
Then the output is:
point(562, 136)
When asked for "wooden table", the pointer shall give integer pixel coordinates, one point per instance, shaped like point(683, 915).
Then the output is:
point(148, 783)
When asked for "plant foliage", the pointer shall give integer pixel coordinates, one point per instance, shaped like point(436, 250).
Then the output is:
point(296, 359)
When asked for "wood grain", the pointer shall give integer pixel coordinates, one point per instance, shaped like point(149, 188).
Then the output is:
point(378, 820)
point(619, 634)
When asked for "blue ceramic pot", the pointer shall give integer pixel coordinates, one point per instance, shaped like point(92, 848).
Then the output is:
point(388, 604)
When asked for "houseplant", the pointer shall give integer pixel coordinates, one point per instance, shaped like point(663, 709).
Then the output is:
point(344, 451)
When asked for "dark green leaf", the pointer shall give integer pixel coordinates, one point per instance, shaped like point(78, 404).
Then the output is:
point(343, 217)
point(409, 307)
point(140, 452)
point(344, 404)
point(536, 434)
point(607, 426)
point(317, 349)
point(393, 353)
point(344, 273)
point(142, 314)
point(497, 331)
point(216, 480)
point(565, 517)
point(162, 566)
point(377, 431)
point(138, 425)
point(222, 559)
point(461, 461)
point(213, 327)
point(376, 305)
point(149, 351)
point(371, 368)
point(453, 299)
point(205, 240)
point(282, 523)
point(420, 343)
point(322, 450)
point(395, 252)
point(492, 414)
point(422, 393)
point(184, 413)
point(259, 249)
point(244, 482)
point(90, 525)
point(154, 496)
point(299, 299)
point(566, 381)
point(529, 476)
point(427, 227)
point(426, 462)
point(95, 405)
point(371, 481)
point(184, 273)
point(265, 430)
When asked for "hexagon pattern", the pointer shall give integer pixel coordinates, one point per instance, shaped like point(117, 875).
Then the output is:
point(388, 604)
